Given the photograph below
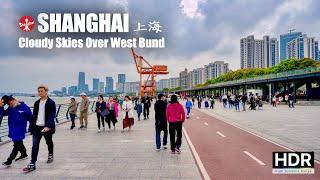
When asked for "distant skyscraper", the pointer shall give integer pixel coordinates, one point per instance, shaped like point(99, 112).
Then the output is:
point(72, 90)
point(284, 39)
point(302, 47)
point(109, 85)
point(101, 87)
point(317, 51)
point(81, 82)
point(95, 85)
point(183, 79)
point(121, 82)
point(247, 52)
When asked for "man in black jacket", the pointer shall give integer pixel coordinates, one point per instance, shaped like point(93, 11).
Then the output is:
point(146, 101)
point(42, 124)
point(161, 123)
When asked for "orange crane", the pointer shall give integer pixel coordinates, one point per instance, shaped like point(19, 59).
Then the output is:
point(147, 74)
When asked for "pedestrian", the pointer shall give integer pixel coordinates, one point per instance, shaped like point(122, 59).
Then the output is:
point(73, 111)
point(286, 98)
point(160, 122)
point(291, 101)
point(127, 108)
point(224, 100)
point(84, 106)
point(188, 107)
point(237, 103)
point(42, 124)
point(146, 106)
point(175, 116)
point(244, 99)
point(231, 101)
point(199, 102)
point(212, 102)
point(206, 102)
point(18, 114)
point(113, 108)
point(102, 112)
point(138, 108)
point(192, 100)
point(274, 101)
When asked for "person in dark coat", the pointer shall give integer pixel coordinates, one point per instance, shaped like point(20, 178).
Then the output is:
point(18, 114)
point(146, 101)
point(42, 124)
point(161, 122)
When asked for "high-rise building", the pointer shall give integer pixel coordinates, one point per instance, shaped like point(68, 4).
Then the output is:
point(132, 87)
point(317, 51)
point(73, 90)
point(121, 82)
point(81, 82)
point(247, 52)
point(284, 39)
point(183, 79)
point(109, 85)
point(174, 82)
point(95, 85)
point(302, 47)
point(265, 52)
point(163, 83)
point(101, 87)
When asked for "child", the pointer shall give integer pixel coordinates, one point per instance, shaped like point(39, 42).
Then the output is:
point(188, 107)
point(138, 108)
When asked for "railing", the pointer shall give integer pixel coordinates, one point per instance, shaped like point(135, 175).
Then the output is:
point(62, 115)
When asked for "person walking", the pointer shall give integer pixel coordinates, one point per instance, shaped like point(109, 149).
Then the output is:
point(146, 106)
point(291, 101)
point(175, 115)
point(206, 102)
point(101, 111)
point(237, 103)
point(160, 122)
point(138, 108)
point(199, 101)
point(224, 100)
point(127, 108)
point(84, 106)
point(274, 101)
point(73, 111)
point(113, 108)
point(188, 107)
point(212, 102)
point(18, 114)
point(42, 124)
point(244, 100)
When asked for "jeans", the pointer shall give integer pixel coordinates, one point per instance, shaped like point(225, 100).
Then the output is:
point(146, 112)
point(291, 103)
point(36, 138)
point(188, 110)
point(175, 128)
point(72, 117)
point(17, 147)
point(158, 136)
point(244, 106)
point(100, 120)
point(237, 106)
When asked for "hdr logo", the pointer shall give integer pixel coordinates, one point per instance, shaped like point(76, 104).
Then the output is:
point(293, 163)
point(26, 23)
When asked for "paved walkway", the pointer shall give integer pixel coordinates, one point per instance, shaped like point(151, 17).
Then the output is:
point(296, 128)
point(85, 154)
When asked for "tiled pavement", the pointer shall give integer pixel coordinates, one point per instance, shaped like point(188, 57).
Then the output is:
point(86, 154)
point(296, 128)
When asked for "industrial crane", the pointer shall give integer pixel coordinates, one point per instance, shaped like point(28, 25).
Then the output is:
point(147, 74)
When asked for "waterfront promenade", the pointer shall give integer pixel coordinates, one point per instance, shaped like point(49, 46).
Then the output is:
point(86, 154)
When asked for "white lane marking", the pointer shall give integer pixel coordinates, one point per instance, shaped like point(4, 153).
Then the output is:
point(203, 170)
point(254, 158)
point(222, 135)
point(206, 124)
point(198, 117)
point(248, 131)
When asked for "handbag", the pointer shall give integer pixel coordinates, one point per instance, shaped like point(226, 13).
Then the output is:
point(105, 113)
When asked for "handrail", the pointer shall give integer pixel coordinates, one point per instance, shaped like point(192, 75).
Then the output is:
point(62, 115)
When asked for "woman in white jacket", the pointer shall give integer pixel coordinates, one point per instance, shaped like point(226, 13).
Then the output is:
point(127, 113)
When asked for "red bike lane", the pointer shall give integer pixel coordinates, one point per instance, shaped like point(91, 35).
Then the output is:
point(228, 152)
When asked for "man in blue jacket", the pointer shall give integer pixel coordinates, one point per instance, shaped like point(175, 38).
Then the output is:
point(42, 124)
point(18, 114)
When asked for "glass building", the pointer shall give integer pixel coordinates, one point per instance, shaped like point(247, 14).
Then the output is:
point(109, 85)
point(284, 39)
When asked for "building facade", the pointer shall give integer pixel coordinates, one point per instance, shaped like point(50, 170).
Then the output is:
point(81, 82)
point(183, 79)
point(284, 39)
point(95, 85)
point(109, 85)
point(302, 47)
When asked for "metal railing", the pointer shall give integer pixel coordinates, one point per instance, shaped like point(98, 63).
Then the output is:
point(62, 116)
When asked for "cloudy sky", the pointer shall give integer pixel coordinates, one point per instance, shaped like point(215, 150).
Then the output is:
point(197, 32)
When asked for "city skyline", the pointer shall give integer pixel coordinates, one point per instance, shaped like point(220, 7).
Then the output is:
point(217, 33)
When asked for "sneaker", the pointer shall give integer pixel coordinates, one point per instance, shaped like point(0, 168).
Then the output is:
point(30, 167)
point(178, 151)
point(22, 157)
point(50, 158)
point(7, 163)
point(81, 127)
point(158, 149)
point(173, 152)
point(165, 147)
point(145, 119)
point(99, 131)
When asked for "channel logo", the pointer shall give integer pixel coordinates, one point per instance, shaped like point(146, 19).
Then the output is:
point(293, 163)
point(26, 23)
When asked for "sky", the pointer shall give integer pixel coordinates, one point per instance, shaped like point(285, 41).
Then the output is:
point(197, 32)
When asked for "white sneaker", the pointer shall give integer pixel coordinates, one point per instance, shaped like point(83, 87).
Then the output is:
point(99, 131)
point(157, 150)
